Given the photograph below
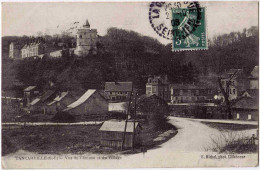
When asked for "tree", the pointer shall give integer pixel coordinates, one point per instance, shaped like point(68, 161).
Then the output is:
point(225, 90)
point(154, 108)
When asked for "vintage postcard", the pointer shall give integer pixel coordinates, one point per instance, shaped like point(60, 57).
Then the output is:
point(129, 84)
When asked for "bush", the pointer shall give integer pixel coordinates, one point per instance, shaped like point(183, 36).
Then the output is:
point(63, 117)
point(232, 142)
point(155, 109)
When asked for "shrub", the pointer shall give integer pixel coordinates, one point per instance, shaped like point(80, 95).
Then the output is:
point(232, 142)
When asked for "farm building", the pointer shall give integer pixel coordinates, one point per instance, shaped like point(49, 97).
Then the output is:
point(112, 131)
point(29, 93)
point(90, 105)
point(246, 109)
point(39, 104)
point(117, 107)
point(60, 102)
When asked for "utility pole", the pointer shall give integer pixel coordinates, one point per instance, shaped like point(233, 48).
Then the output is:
point(134, 116)
point(128, 110)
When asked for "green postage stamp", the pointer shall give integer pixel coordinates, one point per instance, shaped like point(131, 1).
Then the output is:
point(189, 29)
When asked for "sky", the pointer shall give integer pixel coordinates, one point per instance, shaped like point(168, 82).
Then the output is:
point(20, 18)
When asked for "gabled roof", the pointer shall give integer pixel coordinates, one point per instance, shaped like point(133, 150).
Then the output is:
point(47, 95)
point(59, 98)
point(190, 86)
point(255, 72)
point(158, 79)
point(29, 88)
point(35, 101)
point(247, 103)
point(117, 106)
point(82, 99)
point(251, 92)
point(118, 126)
point(118, 86)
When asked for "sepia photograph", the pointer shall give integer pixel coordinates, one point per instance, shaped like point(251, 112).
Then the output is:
point(126, 84)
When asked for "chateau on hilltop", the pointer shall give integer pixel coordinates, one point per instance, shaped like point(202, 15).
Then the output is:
point(33, 49)
point(86, 40)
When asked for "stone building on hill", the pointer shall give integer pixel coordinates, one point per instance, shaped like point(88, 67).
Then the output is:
point(86, 40)
point(15, 50)
point(33, 49)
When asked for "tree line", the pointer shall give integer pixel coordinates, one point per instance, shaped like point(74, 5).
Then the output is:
point(140, 57)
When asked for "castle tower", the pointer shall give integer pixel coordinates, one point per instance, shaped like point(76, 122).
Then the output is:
point(86, 40)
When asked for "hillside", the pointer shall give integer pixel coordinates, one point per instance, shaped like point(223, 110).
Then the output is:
point(143, 56)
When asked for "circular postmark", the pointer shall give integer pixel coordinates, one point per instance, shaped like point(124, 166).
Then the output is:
point(170, 27)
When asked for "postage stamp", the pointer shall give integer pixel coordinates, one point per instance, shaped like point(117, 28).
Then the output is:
point(189, 29)
point(182, 22)
point(160, 16)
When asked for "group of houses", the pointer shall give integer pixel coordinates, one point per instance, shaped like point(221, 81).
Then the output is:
point(91, 103)
point(86, 41)
point(242, 91)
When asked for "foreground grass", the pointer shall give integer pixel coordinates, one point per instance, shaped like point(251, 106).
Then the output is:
point(229, 126)
point(231, 139)
point(69, 139)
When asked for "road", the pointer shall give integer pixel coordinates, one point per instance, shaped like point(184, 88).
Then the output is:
point(186, 149)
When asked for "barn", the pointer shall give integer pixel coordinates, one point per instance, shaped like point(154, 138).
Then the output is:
point(247, 108)
point(91, 105)
point(61, 101)
point(112, 131)
point(39, 104)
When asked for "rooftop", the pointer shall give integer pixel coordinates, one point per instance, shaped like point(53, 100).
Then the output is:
point(118, 126)
point(82, 99)
point(119, 86)
point(59, 98)
point(47, 95)
point(29, 88)
point(247, 103)
point(255, 72)
point(191, 86)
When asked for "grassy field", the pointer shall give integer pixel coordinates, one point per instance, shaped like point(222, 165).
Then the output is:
point(229, 126)
point(68, 139)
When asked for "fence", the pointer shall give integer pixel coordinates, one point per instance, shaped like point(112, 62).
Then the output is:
point(247, 141)
point(50, 123)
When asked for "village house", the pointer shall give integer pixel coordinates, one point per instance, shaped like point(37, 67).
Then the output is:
point(39, 104)
point(33, 49)
point(15, 50)
point(90, 105)
point(118, 91)
point(254, 78)
point(30, 93)
point(112, 131)
point(191, 93)
point(247, 108)
point(238, 82)
point(61, 102)
point(158, 86)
